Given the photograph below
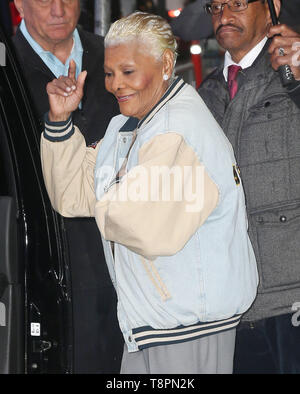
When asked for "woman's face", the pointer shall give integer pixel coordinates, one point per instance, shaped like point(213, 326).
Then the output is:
point(134, 77)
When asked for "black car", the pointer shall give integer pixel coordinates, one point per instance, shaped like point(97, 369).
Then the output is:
point(35, 286)
point(36, 320)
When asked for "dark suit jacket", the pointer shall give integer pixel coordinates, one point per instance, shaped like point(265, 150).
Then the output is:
point(98, 344)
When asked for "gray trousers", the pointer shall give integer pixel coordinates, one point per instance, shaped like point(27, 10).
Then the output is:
point(207, 355)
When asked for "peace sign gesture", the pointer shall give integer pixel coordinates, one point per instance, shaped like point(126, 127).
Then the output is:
point(65, 94)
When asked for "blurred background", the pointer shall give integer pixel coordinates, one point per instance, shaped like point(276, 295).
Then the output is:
point(198, 51)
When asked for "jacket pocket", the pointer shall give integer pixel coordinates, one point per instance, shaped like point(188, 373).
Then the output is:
point(274, 106)
point(155, 278)
point(265, 134)
point(276, 237)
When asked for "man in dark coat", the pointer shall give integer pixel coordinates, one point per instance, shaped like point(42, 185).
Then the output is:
point(261, 119)
point(45, 42)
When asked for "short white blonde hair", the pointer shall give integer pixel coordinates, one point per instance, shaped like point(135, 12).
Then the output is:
point(147, 29)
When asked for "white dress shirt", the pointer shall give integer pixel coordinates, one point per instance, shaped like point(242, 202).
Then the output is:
point(246, 61)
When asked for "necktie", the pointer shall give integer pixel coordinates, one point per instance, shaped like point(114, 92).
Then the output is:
point(232, 82)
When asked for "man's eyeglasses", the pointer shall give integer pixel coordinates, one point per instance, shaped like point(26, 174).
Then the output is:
point(215, 8)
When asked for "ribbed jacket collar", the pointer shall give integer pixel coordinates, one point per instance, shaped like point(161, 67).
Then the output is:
point(134, 123)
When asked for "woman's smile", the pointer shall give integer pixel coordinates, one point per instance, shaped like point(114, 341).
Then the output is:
point(121, 99)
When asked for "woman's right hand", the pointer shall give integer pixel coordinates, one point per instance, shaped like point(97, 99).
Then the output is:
point(65, 94)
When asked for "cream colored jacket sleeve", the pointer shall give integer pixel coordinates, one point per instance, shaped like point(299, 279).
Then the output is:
point(156, 216)
point(68, 169)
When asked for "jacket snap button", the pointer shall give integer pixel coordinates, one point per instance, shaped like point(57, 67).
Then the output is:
point(282, 219)
point(129, 339)
point(124, 140)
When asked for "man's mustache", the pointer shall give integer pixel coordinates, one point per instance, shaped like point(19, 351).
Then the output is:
point(229, 25)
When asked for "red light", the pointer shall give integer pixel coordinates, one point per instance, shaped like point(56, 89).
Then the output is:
point(174, 13)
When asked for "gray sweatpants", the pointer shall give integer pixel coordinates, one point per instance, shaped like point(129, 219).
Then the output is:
point(207, 355)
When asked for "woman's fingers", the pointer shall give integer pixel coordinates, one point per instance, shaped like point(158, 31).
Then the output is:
point(80, 82)
point(65, 94)
point(72, 70)
point(54, 88)
point(62, 86)
point(67, 83)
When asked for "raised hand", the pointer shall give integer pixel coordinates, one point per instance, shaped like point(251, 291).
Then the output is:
point(65, 94)
point(285, 48)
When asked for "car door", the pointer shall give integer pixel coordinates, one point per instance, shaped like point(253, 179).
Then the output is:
point(35, 288)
